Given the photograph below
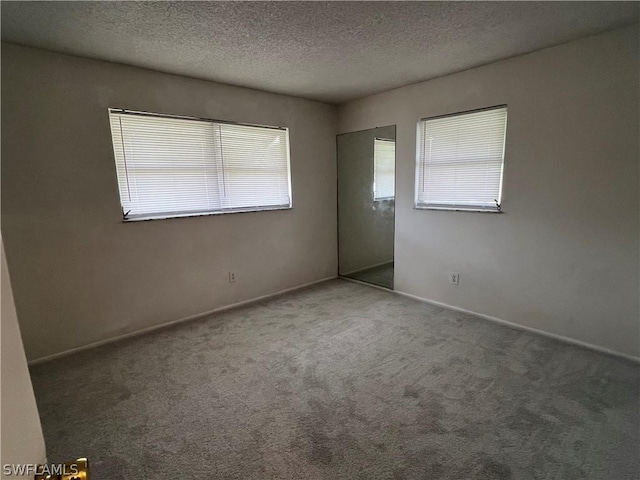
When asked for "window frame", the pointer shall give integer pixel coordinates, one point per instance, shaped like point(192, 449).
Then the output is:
point(185, 214)
point(451, 207)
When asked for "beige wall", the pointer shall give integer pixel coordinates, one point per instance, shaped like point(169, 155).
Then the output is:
point(22, 441)
point(365, 227)
point(80, 275)
point(563, 257)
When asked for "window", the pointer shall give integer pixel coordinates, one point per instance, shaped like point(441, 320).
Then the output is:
point(460, 159)
point(175, 167)
point(384, 164)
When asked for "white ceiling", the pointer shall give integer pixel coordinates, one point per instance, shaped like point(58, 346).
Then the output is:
point(327, 51)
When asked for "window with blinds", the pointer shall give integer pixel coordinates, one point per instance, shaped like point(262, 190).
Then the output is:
point(460, 160)
point(384, 165)
point(175, 167)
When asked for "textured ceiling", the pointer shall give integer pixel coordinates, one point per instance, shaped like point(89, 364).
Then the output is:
point(328, 51)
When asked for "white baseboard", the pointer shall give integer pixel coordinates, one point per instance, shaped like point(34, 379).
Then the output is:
point(517, 326)
point(366, 284)
point(174, 322)
point(366, 268)
point(298, 287)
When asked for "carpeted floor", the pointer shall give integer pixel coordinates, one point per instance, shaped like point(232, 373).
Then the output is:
point(342, 381)
point(382, 275)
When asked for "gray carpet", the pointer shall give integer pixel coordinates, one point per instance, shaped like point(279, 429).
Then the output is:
point(342, 381)
point(382, 275)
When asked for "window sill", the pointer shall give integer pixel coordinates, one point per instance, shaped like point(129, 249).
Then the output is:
point(457, 209)
point(167, 216)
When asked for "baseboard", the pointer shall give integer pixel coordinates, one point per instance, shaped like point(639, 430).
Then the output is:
point(175, 322)
point(517, 326)
point(367, 284)
point(366, 268)
point(309, 284)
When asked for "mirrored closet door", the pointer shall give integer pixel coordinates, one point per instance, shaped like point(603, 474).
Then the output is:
point(366, 205)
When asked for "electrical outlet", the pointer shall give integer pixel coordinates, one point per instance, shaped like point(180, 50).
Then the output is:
point(454, 278)
point(232, 277)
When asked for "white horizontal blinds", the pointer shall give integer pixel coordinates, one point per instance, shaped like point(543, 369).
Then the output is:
point(165, 165)
point(384, 161)
point(170, 166)
point(255, 166)
point(460, 160)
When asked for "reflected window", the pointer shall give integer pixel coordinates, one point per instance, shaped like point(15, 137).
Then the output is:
point(384, 159)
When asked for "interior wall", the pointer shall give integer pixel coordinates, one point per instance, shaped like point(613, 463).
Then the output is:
point(22, 440)
point(365, 226)
point(564, 255)
point(80, 274)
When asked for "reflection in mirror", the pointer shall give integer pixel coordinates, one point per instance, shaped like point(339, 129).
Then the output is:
point(366, 205)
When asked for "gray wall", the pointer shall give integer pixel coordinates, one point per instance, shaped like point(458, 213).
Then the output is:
point(365, 227)
point(563, 257)
point(80, 275)
point(22, 441)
